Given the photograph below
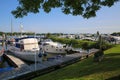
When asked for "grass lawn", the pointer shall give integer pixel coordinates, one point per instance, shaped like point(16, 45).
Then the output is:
point(89, 70)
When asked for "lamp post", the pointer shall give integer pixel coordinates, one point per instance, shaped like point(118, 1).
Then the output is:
point(35, 60)
point(35, 53)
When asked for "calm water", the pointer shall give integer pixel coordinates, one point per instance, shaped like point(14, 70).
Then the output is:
point(3, 62)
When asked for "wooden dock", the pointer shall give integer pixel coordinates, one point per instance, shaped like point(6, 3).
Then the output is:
point(28, 72)
point(14, 61)
point(18, 62)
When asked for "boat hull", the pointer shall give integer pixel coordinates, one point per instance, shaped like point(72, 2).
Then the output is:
point(52, 50)
point(26, 55)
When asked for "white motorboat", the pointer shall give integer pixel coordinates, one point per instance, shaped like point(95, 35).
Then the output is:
point(26, 49)
point(48, 46)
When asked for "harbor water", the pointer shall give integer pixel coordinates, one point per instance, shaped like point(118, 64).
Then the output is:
point(4, 65)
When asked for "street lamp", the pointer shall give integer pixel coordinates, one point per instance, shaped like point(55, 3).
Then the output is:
point(35, 53)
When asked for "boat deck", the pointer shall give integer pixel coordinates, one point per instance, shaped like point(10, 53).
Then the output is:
point(28, 72)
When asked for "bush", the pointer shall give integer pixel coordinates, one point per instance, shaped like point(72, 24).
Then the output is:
point(82, 43)
point(98, 56)
point(75, 43)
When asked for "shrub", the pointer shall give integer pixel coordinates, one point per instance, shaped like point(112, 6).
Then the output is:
point(74, 42)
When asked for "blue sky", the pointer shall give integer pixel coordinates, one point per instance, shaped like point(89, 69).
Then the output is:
point(106, 21)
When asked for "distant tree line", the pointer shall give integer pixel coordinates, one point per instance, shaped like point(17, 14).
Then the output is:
point(17, 33)
point(116, 34)
point(1, 33)
point(30, 33)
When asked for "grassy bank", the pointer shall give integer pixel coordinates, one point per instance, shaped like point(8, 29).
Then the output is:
point(89, 70)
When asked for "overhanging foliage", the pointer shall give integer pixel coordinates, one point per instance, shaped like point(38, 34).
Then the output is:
point(85, 8)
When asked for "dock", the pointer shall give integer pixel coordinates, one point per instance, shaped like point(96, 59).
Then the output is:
point(30, 71)
point(16, 61)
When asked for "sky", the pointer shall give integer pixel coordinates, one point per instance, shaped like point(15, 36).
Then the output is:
point(106, 21)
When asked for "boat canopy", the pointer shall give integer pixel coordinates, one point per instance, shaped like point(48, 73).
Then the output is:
point(28, 44)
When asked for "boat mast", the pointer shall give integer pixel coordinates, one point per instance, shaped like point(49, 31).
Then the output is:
point(11, 28)
point(21, 29)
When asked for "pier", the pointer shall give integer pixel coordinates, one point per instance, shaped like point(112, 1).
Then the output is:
point(30, 71)
point(15, 61)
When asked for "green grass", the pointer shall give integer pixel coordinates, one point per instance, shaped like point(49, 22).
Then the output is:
point(89, 70)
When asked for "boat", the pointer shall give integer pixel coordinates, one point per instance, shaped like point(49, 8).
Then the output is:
point(48, 46)
point(25, 48)
point(2, 44)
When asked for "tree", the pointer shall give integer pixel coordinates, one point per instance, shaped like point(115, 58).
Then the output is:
point(85, 8)
point(98, 56)
point(48, 35)
point(1, 33)
point(85, 45)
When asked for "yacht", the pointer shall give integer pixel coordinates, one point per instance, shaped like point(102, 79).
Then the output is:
point(48, 46)
point(25, 48)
